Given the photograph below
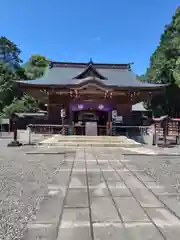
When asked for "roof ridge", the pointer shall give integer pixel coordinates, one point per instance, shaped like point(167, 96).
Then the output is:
point(86, 64)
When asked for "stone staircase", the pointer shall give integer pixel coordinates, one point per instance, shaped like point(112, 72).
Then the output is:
point(90, 141)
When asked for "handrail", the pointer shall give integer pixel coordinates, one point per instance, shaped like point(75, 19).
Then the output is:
point(47, 125)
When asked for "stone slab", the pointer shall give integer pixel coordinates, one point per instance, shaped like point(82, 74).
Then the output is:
point(144, 231)
point(130, 210)
point(106, 231)
point(92, 165)
point(111, 176)
point(74, 215)
point(99, 191)
point(50, 207)
point(146, 198)
point(131, 181)
point(103, 210)
point(40, 231)
point(159, 189)
point(95, 175)
point(118, 189)
point(144, 176)
point(78, 179)
point(162, 217)
point(117, 166)
point(95, 178)
point(74, 232)
point(61, 177)
point(79, 165)
point(77, 197)
point(171, 232)
point(172, 203)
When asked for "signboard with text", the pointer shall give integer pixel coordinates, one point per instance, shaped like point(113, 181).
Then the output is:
point(63, 113)
point(119, 119)
point(114, 114)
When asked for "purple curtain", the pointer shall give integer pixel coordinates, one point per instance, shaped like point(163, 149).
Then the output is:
point(86, 106)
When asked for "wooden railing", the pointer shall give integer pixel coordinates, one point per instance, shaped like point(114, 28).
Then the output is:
point(49, 128)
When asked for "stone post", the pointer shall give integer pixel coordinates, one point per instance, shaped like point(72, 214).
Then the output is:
point(15, 142)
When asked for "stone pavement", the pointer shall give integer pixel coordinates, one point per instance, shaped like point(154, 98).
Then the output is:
point(98, 194)
point(152, 150)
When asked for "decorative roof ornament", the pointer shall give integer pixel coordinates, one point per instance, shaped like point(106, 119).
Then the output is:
point(74, 94)
point(90, 71)
point(108, 95)
point(90, 61)
point(50, 65)
point(133, 95)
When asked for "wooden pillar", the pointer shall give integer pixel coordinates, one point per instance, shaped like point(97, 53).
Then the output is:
point(70, 130)
point(109, 123)
point(48, 106)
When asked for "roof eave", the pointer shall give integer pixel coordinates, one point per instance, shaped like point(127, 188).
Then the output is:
point(152, 88)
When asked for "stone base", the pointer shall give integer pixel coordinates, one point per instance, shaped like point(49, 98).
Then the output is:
point(14, 144)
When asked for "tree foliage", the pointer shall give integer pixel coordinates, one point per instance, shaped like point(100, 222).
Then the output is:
point(7, 78)
point(9, 52)
point(141, 78)
point(24, 104)
point(165, 68)
point(11, 70)
point(35, 67)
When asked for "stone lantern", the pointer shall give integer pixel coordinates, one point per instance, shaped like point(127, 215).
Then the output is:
point(15, 142)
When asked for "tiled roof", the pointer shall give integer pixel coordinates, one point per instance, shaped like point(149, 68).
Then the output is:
point(118, 75)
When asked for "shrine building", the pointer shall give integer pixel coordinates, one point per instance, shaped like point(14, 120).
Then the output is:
point(89, 92)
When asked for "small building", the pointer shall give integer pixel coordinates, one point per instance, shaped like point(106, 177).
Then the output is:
point(89, 92)
point(24, 119)
point(140, 115)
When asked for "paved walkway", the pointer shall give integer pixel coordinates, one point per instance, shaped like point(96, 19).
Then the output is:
point(97, 194)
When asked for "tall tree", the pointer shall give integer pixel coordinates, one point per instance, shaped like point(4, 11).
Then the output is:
point(35, 67)
point(8, 88)
point(9, 52)
point(11, 70)
point(164, 67)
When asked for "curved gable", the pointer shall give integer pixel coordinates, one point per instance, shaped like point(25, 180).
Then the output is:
point(90, 71)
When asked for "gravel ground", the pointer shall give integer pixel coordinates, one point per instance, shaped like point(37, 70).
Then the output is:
point(23, 184)
point(164, 169)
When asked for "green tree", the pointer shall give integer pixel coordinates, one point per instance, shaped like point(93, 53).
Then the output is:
point(9, 52)
point(35, 67)
point(141, 78)
point(25, 104)
point(8, 88)
point(164, 68)
point(11, 70)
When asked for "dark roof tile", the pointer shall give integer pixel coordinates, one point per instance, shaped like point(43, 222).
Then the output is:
point(118, 75)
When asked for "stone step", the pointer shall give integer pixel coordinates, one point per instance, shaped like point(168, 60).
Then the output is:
point(85, 141)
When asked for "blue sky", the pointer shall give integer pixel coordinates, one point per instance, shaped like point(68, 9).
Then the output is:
point(115, 31)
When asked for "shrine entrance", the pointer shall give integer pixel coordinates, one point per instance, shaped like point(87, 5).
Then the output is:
point(91, 116)
point(90, 119)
